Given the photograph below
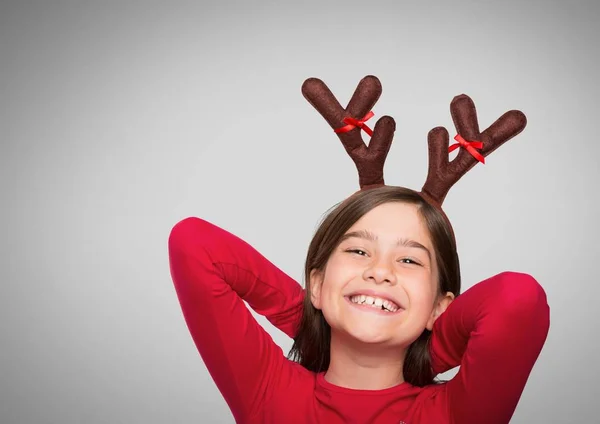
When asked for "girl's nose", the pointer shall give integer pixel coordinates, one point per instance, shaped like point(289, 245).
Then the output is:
point(380, 272)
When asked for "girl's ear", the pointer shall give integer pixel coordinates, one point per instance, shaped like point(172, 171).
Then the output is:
point(316, 282)
point(440, 307)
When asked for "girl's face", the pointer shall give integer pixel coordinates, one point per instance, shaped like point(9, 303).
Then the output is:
point(380, 284)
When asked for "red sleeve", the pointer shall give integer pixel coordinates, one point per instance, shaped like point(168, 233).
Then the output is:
point(495, 331)
point(214, 272)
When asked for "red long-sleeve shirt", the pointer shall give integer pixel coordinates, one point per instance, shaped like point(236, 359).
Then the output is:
point(494, 331)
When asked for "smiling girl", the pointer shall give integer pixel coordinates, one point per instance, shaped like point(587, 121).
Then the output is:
point(380, 317)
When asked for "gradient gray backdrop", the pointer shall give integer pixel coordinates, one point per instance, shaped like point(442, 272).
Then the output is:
point(118, 119)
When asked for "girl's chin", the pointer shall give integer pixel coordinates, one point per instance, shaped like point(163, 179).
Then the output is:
point(354, 332)
point(373, 341)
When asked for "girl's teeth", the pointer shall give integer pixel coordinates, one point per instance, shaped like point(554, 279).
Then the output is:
point(374, 302)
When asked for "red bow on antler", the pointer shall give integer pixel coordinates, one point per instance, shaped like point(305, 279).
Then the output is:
point(354, 123)
point(470, 146)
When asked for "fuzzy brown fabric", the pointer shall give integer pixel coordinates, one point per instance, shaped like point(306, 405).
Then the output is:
point(370, 160)
point(442, 174)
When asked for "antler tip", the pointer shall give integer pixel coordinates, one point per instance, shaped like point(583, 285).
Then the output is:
point(516, 120)
point(310, 82)
point(460, 99)
point(370, 84)
point(372, 79)
point(437, 129)
point(386, 124)
point(519, 116)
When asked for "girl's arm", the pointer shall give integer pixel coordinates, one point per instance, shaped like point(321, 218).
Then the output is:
point(214, 272)
point(495, 331)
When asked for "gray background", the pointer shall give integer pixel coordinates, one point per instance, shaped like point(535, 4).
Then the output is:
point(118, 119)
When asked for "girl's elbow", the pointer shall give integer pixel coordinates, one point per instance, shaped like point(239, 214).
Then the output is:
point(524, 298)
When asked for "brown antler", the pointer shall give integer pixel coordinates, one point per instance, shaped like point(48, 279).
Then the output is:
point(368, 160)
point(442, 174)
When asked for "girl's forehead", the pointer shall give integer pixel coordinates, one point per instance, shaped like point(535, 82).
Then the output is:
point(390, 223)
point(391, 217)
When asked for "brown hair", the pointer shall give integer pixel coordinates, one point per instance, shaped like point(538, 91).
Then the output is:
point(312, 342)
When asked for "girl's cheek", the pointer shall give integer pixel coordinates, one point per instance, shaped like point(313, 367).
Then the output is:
point(422, 298)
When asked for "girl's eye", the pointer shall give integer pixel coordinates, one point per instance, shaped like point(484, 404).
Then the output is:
point(409, 261)
point(357, 251)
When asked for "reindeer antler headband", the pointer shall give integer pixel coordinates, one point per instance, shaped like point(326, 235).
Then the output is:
point(442, 175)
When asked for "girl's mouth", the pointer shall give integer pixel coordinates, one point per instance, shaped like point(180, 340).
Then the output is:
point(373, 304)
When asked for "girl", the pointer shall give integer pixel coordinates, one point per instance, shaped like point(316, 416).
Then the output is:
point(381, 314)
point(380, 317)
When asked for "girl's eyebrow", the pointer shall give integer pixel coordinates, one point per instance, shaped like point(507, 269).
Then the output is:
point(367, 235)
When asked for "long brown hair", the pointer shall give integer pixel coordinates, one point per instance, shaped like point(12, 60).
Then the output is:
point(312, 342)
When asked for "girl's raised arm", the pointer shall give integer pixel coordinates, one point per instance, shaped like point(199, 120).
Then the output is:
point(495, 331)
point(214, 272)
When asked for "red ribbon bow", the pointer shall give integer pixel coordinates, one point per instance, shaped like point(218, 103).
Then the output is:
point(354, 123)
point(470, 146)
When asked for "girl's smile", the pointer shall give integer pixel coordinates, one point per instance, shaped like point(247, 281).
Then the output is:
point(374, 301)
point(373, 308)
